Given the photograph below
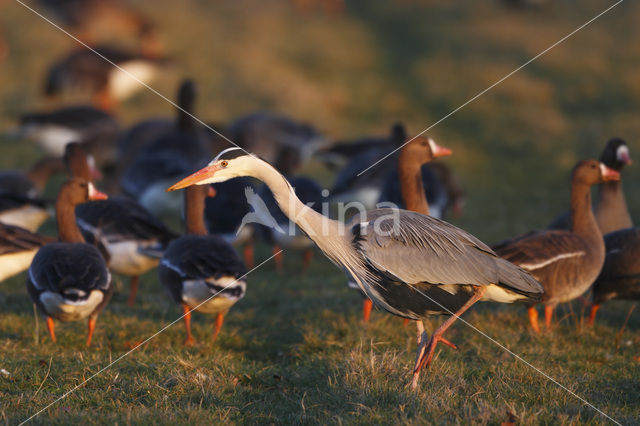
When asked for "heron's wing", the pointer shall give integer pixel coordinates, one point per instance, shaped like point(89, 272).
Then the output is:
point(414, 249)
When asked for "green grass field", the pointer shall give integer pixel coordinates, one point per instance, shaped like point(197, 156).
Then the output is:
point(294, 350)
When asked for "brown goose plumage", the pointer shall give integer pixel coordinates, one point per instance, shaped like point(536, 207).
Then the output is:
point(620, 275)
point(566, 263)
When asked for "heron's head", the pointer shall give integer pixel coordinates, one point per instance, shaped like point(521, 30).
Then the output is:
point(221, 169)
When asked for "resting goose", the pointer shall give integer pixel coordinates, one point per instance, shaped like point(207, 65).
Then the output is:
point(17, 248)
point(409, 264)
point(132, 237)
point(201, 272)
point(566, 263)
point(610, 208)
point(69, 280)
point(620, 275)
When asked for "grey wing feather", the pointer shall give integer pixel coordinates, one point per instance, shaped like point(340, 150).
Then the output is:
point(425, 249)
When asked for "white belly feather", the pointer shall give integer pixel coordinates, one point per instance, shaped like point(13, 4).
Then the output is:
point(64, 310)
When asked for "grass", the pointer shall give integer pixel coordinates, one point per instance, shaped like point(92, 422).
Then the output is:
point(294, 350)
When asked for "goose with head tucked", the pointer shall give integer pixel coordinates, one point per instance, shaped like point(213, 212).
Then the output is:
point(409, 264)
point(69, 280)
point(202, 272)
point(566, 263)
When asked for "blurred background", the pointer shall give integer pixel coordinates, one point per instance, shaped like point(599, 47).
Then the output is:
point(353, 69)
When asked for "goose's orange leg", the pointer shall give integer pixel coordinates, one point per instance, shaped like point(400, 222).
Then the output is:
point(533, 318)
point(218, 326)
point(592, 314)
point(133, 290)
point(277, 253)
point(92, 327)
point(548, 315)
point(437, 335)
point(190, 341)
point(367, 305)
point(52, 329)
point(306, 259)
point(405, 322)
point(248, 256)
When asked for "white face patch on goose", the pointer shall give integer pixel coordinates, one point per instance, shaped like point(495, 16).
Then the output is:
point(432, 146)
point(534, 266)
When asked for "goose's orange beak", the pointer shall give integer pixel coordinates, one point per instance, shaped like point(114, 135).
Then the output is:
point(194, 179)
point(95, 195)
point(608, 174)
point(440, 151)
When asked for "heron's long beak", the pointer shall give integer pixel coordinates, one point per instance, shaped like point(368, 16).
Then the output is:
point(195, 179)
point(608, 174)
point(440, 151)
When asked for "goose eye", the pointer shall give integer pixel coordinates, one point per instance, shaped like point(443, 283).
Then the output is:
point(224, 163)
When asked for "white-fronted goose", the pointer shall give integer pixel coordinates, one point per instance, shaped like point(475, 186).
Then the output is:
point(81, 69)
point(202, 272)
point(411, 186)
point(620, 275)
point(565, 262)
point(287, 235)
point(69, 280)
point(409, 264)
point(97, 130)
point(610, 208)
point(132, 237)
point(170, 156)
point(17, 248)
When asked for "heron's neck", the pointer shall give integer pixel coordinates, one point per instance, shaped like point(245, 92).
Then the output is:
point(317, 226)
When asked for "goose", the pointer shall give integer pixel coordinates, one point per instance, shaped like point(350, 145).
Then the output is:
point(620, 275)
point(18, 246)
point(610, 208)
point(413, 266)
point(69, 280)
point(84, 70)
point(566, 263)
point(170, 156)
point(201, 272)
point(131, 236)
point(53, 130)
point(285, 234)
point(410, 183)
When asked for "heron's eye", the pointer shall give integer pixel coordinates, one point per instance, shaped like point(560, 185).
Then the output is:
point(224, 163)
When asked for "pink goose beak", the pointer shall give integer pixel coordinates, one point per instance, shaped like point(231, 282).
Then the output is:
point(624, 158)
point(195, 178)
point(609, 175)
point(440, 151)
point(95, 195)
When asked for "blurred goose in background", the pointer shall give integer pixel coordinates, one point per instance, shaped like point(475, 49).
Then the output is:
point(20, 191)
point(97, 130)
point(17, 249)
point(201, 272)
point(69, 280)
point(285, 143)
point(611, 208)
point(412, 188)
point(172, 155)
point(409, 264)
point(380, 183)
point(286, 234)
point(224, 215)
point(108, 81)
point(620, 275)
point(90, 19)
point(132, 237)
point(565, 262)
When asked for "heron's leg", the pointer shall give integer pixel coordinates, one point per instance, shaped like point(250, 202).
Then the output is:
point(248, 255)
point(423, 337)
point(367, 305)
point(592, 314)
point(92, 327)
point(190, 341)
point(548, 315)
point(277, 257)
point(306, 259)
point(436, 337)
point(218, 326)
point(51, 327)
point(133, 290)
point(533, 318)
